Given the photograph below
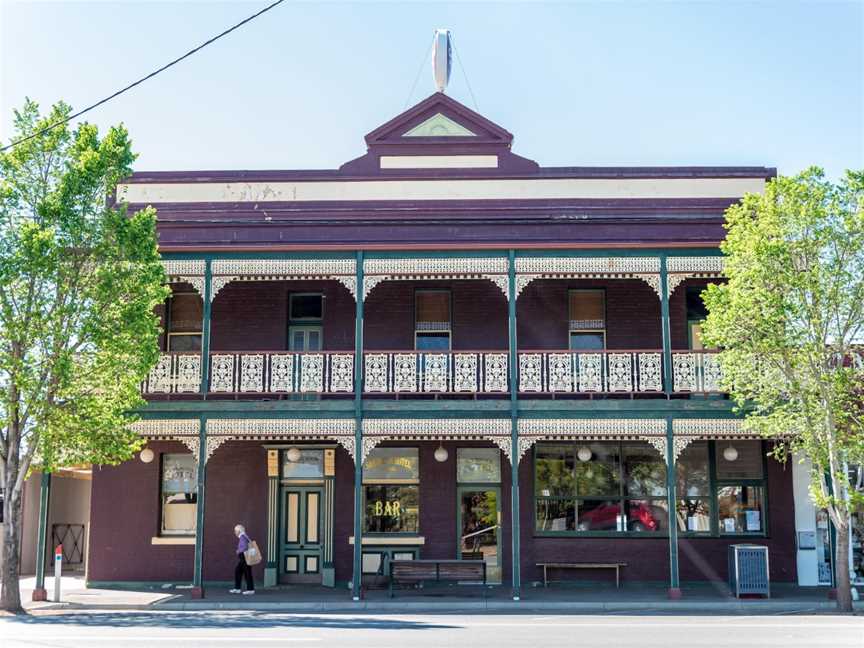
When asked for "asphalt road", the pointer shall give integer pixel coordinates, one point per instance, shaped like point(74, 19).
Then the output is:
point(250, 629)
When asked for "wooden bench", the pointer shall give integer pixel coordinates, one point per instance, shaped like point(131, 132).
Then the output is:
point(616, 566)
point(420, 571)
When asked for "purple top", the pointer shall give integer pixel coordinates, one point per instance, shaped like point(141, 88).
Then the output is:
point(242, 543)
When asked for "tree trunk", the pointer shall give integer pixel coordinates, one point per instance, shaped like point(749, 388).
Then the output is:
point(10, 593)
point(844, 587)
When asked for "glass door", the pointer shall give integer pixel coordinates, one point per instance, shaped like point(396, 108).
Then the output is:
point(304, 338)
point(480, 527)
point(301, 534)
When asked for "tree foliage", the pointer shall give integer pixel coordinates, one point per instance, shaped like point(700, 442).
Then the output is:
point(79, 279)
point(789, 321)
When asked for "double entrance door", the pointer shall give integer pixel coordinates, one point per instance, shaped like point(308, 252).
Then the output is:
point(480, 527)
point(302, 530)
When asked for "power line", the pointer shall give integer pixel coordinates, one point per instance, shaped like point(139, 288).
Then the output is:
point(419, 72)
point(465, 74)
point(143, 79)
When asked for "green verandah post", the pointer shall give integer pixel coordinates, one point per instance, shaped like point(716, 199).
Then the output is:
point(356, 579)
point(39, 591)
point(674, 585)
point(664, 323)
point(514, 422)
point(198, 573)
point(197, 577)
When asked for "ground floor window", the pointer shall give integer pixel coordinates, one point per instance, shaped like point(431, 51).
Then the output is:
point(391, 491)
point(179, 494)
point(602, 488)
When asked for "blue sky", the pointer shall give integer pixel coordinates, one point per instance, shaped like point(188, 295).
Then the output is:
point(771, 83)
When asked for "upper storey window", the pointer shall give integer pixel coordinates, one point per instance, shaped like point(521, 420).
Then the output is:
point(185, 315)
point(587, 323)
point(432, 320)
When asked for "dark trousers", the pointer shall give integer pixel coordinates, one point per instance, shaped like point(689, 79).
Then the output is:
point(241, 570)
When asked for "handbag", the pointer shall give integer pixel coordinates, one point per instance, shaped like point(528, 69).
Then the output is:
point(252, 554)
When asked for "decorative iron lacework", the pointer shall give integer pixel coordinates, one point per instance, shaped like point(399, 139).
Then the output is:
point(533, 430)
point(165, 429)
point(376, 431)
point(713, 264)
point(493, 269)
point(226, 271)
point(646, 269)
point(339, 430)
point(682, 268)
point(686, 431)
point(191, 272)
point(183, 430)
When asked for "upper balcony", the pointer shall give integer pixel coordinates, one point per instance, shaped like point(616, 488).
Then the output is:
point(585, 328)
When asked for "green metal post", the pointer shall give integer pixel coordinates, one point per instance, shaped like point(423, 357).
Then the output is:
point(356, 580)
point(198, 577)
point(205, 330)
point(664, 323)
point(39, 592)
point(674, 585)
point(514, 423)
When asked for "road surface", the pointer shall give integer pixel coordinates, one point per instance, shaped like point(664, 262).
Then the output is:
point(251, 629)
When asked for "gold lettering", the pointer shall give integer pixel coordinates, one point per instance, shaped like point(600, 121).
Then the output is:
point(396, 509)
point(379, 508)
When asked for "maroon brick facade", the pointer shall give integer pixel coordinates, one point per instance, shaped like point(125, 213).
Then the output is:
point(126, 501)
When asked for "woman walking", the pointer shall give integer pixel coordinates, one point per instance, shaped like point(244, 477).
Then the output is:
point(243, 569)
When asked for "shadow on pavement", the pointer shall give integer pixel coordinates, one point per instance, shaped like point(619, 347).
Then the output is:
point(225, 620)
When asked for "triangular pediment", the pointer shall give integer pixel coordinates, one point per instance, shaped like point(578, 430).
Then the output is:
point(439, 117)
point(439, 125)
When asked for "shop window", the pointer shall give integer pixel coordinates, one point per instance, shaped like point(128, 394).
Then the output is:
point(587, 320)
point(179, 494)
point(740, 509)
point(306, 306)
point(185, 316)
point(478, 465)
point(693, 488)
point(599, 488)
point(432, 320)
point(391, 491)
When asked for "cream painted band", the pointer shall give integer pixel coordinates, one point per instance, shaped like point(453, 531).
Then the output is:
point(168, 540)
point(397, 540)
point(504, 189)
point(439, 161)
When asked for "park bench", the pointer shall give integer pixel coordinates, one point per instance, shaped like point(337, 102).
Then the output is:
point(414, 572)
point(614, 565)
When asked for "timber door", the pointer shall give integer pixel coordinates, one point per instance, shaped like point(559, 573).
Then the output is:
point(480, 527)
point(302, 510)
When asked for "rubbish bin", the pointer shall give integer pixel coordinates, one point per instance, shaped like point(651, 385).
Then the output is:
point(748, 570)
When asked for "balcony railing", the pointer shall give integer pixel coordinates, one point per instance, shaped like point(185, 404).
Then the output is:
point(281, 372)
point(437, 372)
point(175, 373)
point(590, 372)
point(696, 371)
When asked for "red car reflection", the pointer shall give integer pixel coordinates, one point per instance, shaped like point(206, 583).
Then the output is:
point(604, 517)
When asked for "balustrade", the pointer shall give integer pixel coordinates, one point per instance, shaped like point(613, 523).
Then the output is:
point(174, 373)
point(435, 372)
point(588, 372)
point(282, 372)
point(696, 371)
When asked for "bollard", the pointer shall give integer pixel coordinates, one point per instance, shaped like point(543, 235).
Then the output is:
point(58, 568)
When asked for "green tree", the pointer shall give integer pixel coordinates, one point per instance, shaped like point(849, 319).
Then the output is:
point(789, 321)
point(79, 280)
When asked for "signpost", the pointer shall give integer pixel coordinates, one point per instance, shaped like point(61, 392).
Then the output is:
point(58, 568)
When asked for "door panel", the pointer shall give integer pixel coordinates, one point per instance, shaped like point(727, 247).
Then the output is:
point(480, 528)
point(301, 536)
